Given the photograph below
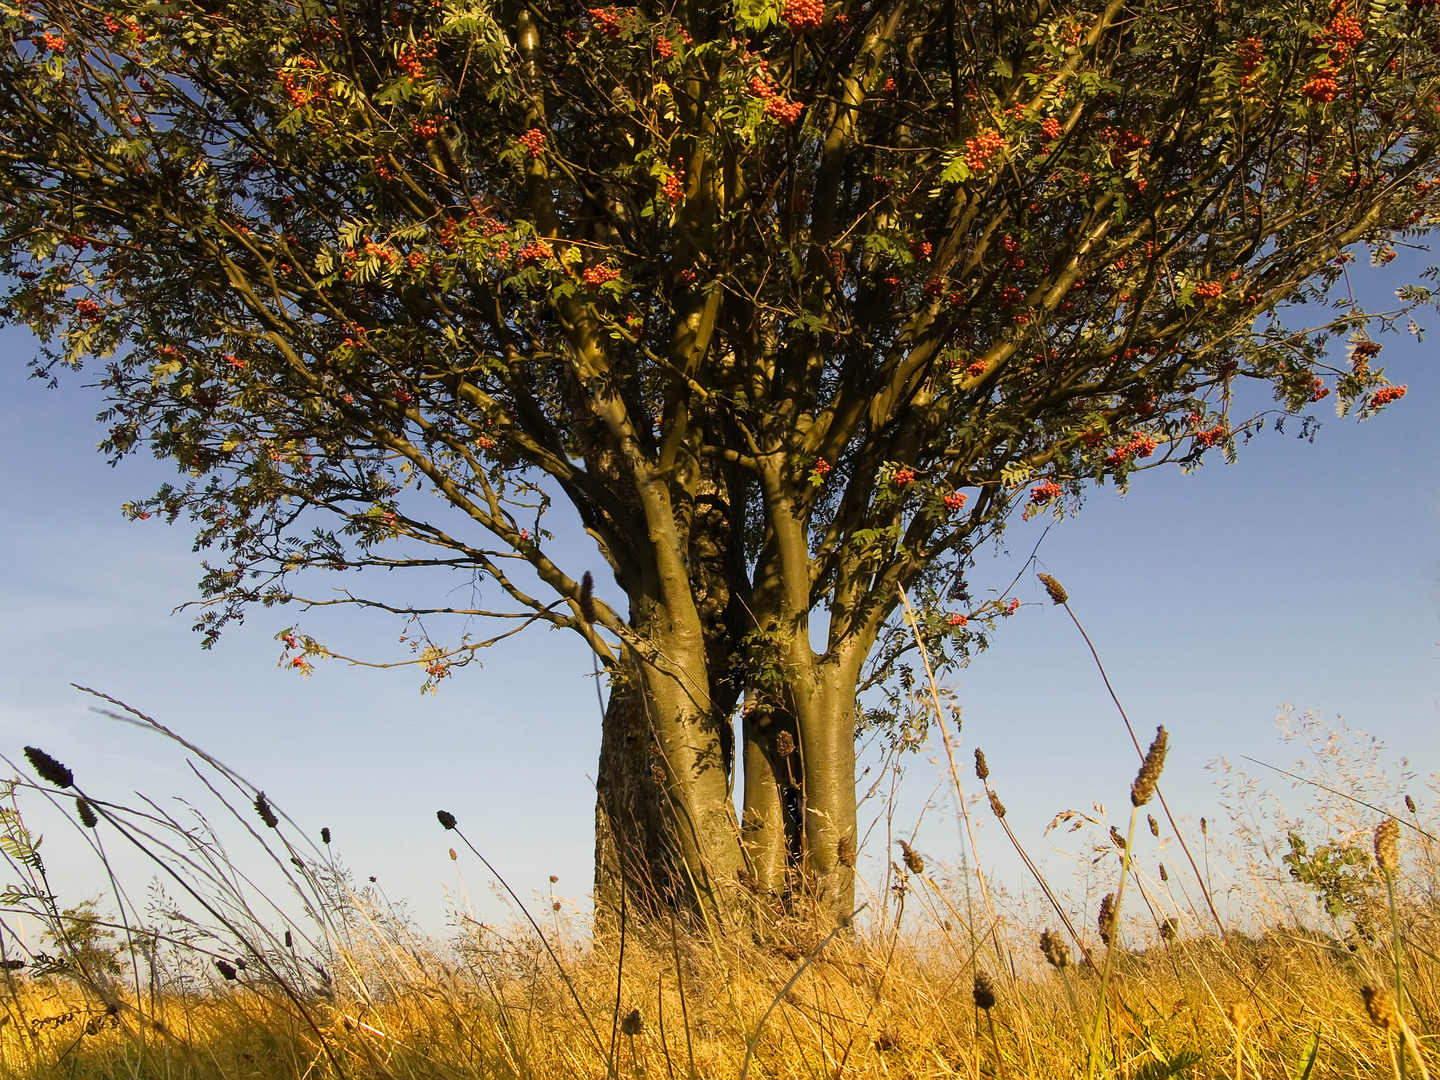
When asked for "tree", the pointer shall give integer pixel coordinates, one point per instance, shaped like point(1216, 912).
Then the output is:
point(795, 305)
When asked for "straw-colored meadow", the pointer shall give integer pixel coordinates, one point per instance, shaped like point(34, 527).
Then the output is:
point(1323, 963)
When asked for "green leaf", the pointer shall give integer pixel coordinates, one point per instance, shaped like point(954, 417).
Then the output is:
point(1308, 1055)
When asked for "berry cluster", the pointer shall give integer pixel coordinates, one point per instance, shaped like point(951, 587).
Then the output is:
point(1210, 436)
point(303, 83)
point(1252, 55)
point(533, 141)
point(673, 190)
point(955, 500)
point(1385, 395)
point(598, 275)
point(975, 369)
point(612, 21)
point(1342, 35)
point(904, 475)
point(956, 619)
point(801, 15)
point(1046, 492)
point(821, 467)
point(782, 109)
point(979, 149)
point(1050, 128)
point(534, 253)
point(1209, 290)
point(429, 128)
point(53, 41)
point(1321, 88)
point(88, 309)
point(412, 58)
point(1140, 445)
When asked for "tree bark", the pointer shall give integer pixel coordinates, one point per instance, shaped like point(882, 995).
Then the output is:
point(666, 831)
point(825, 711)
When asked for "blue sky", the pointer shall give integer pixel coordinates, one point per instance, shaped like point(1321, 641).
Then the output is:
point(1305, 574)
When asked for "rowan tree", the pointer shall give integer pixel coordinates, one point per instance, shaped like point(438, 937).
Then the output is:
point(795, 304)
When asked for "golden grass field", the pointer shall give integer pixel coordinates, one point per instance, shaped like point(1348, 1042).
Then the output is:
point(1316, 897)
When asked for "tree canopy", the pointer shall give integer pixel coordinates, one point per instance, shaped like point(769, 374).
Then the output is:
point(794, 303)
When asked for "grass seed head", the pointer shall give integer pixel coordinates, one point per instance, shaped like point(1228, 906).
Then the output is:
point(48, 768)
point(1117, 838)
point(1143, 789)
point(982, 770)
point(1170, 927)
point(1054, 949)
point(87, 814)
point(325, 836)
point(1054, 588)
point(1106, 920)
point(1163, 875)
point(1154, 825)
point(446, 819)
point(1387, 845)
point(996, 805)
point(1409, 804)
point(1380, 1007)
point(226, 969)
point(845, 852)
point(587, 598)
point(267, 815)
point(1239, 1015)
point(984, 991)
point(913, 862)
point(784, 744)
point(632, 1024)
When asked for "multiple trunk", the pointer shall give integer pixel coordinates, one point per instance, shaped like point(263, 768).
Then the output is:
point(667, 833)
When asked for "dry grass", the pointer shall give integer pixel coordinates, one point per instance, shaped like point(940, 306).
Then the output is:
point(201, 984)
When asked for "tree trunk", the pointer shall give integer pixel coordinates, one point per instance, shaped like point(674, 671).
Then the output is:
point(665, 828)
point(633, 849)
point(825, 710)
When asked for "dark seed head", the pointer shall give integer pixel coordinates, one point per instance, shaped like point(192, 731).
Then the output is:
point(48, 768)
point(1154, 825)
point(226, 969)
point(1106, 921)
point(913, 862)
point(1168, 929)
point(446, 819)
point(1387, 845)
point(1409, 804)
point(996, 805)
point(11, 965)
point(984, 991)
point(845, 852)
point(267, 815)
point(1056, 952)
point(87, 814)
point(289, 941)
point(325, 836)
point(1143, 789)
point(587, 598)
point(1054, 588)
point(982, 770)
point(1117, 838)
point(784, 744)
point(632, 1024)
point(1163, 875)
